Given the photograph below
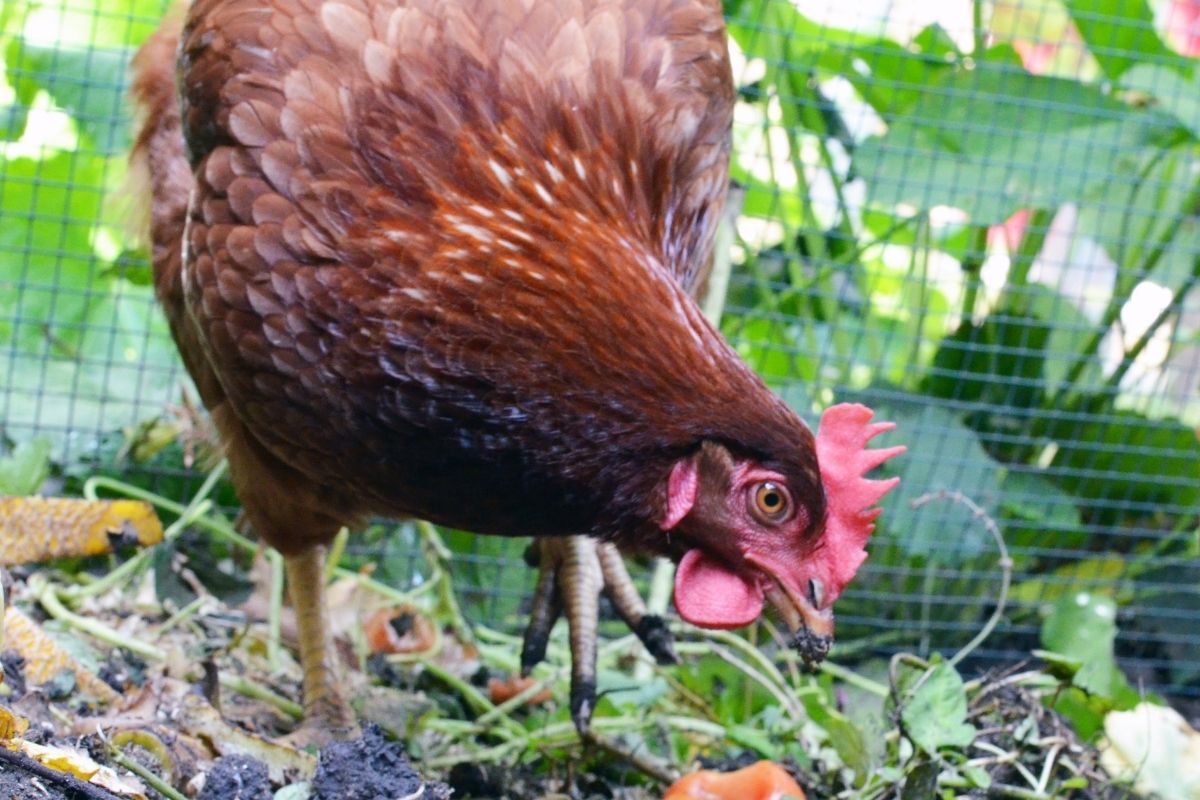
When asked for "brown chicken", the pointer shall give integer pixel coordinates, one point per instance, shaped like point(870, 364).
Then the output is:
point(432, 258)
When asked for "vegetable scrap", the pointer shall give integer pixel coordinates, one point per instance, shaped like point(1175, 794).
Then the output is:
point(764, 780)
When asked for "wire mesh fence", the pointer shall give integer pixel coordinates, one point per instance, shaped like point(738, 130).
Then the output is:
point(980, 218)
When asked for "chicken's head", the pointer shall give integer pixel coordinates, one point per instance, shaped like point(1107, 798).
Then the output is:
point(748, 535)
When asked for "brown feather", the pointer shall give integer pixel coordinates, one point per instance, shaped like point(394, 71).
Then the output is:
point(439, 256)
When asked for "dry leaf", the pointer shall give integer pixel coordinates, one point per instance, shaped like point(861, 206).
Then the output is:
point(83, 767)
point(1155, 748)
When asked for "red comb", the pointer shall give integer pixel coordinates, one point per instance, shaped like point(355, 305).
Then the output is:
point(844, 458)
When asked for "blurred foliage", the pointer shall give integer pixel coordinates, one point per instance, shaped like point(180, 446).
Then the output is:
point(894, 247)
point(884, 174)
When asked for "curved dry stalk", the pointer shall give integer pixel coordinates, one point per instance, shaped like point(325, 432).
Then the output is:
point(1005, 562)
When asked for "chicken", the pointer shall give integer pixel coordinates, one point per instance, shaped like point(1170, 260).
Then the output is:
point(432, 258)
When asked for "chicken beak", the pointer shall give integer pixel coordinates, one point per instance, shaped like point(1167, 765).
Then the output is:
point(811, 628)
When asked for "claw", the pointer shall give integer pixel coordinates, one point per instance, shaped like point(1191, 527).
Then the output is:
point(650, 628)
point(574, 571)
point(583, 703)
point(545, 612)
point(653, 632)
point(582, 581)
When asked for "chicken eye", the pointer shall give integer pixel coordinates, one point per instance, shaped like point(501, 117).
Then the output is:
point(771, 502)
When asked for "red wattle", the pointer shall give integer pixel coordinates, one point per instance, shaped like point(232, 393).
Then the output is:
point(710, 595)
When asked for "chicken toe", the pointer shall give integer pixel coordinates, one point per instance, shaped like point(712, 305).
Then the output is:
point(574, 570)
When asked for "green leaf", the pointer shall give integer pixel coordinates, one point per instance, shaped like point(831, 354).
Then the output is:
point(1083, 627)
point(1058, 665)
point(25, 469)
point(1063, 141)
point(88, 83)
point(934, 710)
point(943, 453)
point(93, 23)
point(921, 783)
point(845, 736)
point(977, 776)
point(753, 739)
point(895, 77)
point(1120, 34)
point(1086, 712)
point(1038, 514)
point(999, 362)
point(773, 348)
point(1137, 216)
point(1104, 571)
point(851, 745)
point(1126, 459)
point(624, 691)
point(1070, 331)
point(1175, 93)
point(779, 33)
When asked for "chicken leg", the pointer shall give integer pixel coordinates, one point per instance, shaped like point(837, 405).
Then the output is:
point(574, 571)
point(327, 714)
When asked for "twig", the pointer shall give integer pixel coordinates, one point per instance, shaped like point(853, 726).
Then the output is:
point(182, 615)
point(82, 789)
point(656, 769)
point(995, 790)
point(1005, 562)
point(1015, 762)
point(1048, 768)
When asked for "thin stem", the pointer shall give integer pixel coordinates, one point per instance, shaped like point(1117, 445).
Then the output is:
point(181, 615)
point(45, 594)
point(254, 691)
point(656, 769)
point(437, 555)
point(156, 783)
point(979, 33)
point(972, 263)
point(336, 550)
point(275, 611)
point(474, 698)
point(1004, 561)
point(853, 678)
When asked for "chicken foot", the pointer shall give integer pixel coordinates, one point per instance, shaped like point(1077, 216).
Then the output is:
point(574, 571)
point(327, 714)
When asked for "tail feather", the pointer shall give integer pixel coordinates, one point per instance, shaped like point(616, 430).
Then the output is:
point(160, 180)
point(159, 188)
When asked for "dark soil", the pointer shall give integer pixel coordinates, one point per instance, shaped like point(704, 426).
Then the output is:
point(370, 768)
point(237, 778)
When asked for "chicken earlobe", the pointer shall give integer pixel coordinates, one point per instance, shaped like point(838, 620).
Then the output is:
point(574, 571)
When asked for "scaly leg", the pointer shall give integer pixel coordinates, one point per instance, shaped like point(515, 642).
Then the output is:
point(327, 714)
point(574, 571)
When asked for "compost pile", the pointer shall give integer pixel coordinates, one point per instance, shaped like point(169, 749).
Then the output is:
point(120, 684)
